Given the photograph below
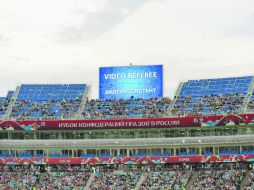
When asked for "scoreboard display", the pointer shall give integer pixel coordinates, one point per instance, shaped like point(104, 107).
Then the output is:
point(131, 81)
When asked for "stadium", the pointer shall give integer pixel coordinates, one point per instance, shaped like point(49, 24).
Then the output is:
point(63, 139)
point(126, 95)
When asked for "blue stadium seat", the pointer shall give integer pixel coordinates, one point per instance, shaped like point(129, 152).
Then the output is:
point(212, 96)
point(87, 156)
point(47, 101)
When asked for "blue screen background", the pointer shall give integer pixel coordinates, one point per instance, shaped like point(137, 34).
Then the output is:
point(131, 83)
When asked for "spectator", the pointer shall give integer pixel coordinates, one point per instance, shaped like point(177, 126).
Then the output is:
point(131, 108)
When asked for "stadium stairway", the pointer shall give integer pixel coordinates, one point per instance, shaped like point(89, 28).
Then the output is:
point(38, 186)
point(11, 104)
point(83, 102)
point(193, 178)
point(176, 95)
point(245, 180)
point(248, 96)
point(90, 180)
point(141, 180)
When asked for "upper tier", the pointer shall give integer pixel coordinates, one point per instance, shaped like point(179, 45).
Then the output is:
point(47, 101)
point(45, 92)
point(218, 96)
point(214, 96)
point(218, 86)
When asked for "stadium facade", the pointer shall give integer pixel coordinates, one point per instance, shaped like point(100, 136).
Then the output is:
point(208, 120)
point(60, 138)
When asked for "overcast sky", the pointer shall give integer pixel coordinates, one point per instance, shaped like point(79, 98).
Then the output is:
point(66, 41)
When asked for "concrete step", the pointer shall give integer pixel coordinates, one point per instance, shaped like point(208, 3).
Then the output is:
point(193, 178)
point(141, 180)
point(89, 182)
point(245, 180)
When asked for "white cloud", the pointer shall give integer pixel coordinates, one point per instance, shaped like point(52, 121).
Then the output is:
point(96, 22)
point(67, 41)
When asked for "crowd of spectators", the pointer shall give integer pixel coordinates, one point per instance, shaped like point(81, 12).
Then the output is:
point(46, 178)
point(251, 104)
point(166, 180)
point(209, 105)
point(250, 183)
point(46, 110)
point(94, 109)
point(219, 179)
point(4, 102)
point(115, 180)
point(211, 176)
point(130, 108)
point(64, 180)
point(18, 180)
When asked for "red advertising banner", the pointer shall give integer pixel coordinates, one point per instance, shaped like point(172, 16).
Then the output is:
point(197, 121)
point(129, 160)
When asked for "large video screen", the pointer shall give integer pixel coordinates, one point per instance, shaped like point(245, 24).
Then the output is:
point(131, 82)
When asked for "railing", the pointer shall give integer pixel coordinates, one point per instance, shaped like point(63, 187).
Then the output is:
point(176, 95)
point(248, 96)
point(126, 143)
point(78, 115)
point(12, 103)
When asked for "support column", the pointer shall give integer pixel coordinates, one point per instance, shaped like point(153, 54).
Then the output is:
point(46, 153)
point(187, 150)
point(60, 135)
point(149, 153)
point(162, 151)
